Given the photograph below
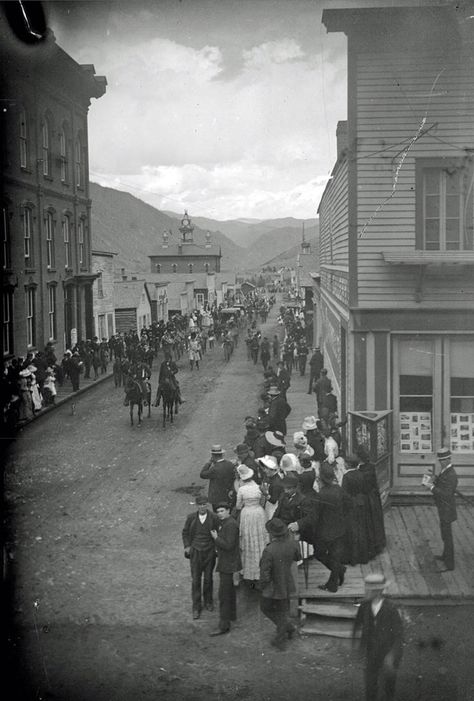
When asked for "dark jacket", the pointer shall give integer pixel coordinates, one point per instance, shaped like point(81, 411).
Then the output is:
point(309, 517)
point(277, 413)
point(445, 485)
point(289, 507)
point(316, 363)
point(382, 634)
point(322, 387)
point(283, 379)
point(227, 546)
point(276, 580)
point(330, 517)
point(190, 527)
point(221, 475)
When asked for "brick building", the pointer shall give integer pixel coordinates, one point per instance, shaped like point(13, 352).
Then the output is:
point(186, 256)
point(46, 222)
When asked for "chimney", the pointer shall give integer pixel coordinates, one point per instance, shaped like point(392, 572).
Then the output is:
point(122, 272)
point(341, 138)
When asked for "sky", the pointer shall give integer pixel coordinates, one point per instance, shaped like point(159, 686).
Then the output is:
point(225, 108)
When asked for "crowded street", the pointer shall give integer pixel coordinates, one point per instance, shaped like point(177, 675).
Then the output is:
point(101, 589)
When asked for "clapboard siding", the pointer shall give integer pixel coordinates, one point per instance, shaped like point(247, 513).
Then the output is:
point(333, 219)
point(397, 95)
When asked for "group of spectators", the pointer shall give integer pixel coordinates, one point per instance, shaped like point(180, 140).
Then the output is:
point(302, 489)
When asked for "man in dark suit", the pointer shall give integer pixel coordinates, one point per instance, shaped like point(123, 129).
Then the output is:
point(200, 550)
point(277, 411)
point(276, 580)
point(381, 638)
point(316, 364)
point(443, 488)
point(329, 528)
point(322, 387)
point(226, 540)
point(283, 378)
point(289, 503)
point(221, 475)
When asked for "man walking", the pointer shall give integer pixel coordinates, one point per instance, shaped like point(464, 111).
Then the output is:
point(329, 527)
point(276, 580)
point(278, 410)
point(381, 640)
point(226, 540)
point(221, 475)
point(200, 550)
point(443, 488)
point(316, 364)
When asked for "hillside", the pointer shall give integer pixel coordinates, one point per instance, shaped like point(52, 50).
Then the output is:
point(133, 229)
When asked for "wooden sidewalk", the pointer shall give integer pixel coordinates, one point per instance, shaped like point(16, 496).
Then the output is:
point(408, 561)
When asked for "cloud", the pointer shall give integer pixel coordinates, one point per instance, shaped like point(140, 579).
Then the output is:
point(272, 52)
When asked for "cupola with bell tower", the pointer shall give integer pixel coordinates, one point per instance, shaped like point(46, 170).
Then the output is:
point(186, 229)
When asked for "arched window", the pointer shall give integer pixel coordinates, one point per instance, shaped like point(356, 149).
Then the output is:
point(49, 234)
point(81, 241)
point(158, 267)
point(175, 268)
point(190, 267)
point(45, 147)
point(66, 226)
point(63, 154)
point(23, 139)
point(79, 162)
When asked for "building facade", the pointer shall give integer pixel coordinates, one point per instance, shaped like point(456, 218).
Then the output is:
point(46, 223)
point(395, 301)
point(132, 305)
point(186, 256)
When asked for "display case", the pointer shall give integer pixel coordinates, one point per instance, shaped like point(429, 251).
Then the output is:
point(373, 430)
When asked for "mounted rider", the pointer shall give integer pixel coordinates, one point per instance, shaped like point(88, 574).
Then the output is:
point(168, 371)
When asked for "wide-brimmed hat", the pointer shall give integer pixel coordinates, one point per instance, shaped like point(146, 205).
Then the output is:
point(32, 368)
point(309, 423)
point(269, 461)
point(443, 454)
point(241, 449)
point(275, 438)
point(273, 391)
point(276, 527)
point(289, 463)
point(245, 472)
point(25, 373)
point(375, 581)
point(200, 500)
point(217, 449)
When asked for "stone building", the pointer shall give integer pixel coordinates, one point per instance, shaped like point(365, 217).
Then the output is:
point(46, 217)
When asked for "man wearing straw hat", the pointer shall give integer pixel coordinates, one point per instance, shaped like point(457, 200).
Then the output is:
point(443, 487)
point(381, 638)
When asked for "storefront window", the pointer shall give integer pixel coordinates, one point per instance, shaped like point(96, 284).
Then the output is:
point(462, 396)
point(416, 396)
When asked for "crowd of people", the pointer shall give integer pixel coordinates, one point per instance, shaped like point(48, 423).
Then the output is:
point(302, 492)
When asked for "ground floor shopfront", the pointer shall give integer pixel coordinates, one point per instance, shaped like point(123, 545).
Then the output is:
point(405, 379)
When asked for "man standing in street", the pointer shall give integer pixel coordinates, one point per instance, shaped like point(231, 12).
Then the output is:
point(443, 488)
point(226, 540)
point(221, 474)
point(322, 387)
point(381, 640)
point(329, 527)
point(200, 550)
point(283, 378)
point(278, 410)
point(316, 364)
point(276, 580)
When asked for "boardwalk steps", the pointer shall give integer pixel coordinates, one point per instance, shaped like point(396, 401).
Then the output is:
point(328, 617)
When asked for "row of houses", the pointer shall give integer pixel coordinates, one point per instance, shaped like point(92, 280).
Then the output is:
point(394, 293)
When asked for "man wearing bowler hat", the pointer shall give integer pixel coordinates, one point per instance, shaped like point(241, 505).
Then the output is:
point(200, 550)
point(220, 473)
point(381, 638)
point(226, 540)
point(443, 487)
point(276, 580)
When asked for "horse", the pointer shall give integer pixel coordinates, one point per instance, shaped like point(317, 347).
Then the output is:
point(168, 392)
point(138, 393)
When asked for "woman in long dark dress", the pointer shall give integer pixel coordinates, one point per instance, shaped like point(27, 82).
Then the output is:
point(358, 545)
point(371, 488)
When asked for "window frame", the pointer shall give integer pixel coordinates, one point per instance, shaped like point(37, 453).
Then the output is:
point(81, 227)
point(100, 286)
point(46, 147)
point(52, 311)
point(66, 230)
point(6, 239)
point(465, 168)
point(27, 227)
point(30, 316)
point(7, 322)
point(63, 154)
point(78, 162)
point(49, 237)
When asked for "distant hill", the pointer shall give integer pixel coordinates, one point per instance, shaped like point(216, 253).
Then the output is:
point(279, 240)
point(133, 229)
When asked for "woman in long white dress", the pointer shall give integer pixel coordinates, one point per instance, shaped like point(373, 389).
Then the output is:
point(253, 535)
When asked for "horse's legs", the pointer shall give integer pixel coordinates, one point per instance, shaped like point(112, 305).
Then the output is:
point(164, 412)
point(140, 412)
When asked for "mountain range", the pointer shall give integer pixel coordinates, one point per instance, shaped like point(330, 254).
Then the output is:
point(133, 229)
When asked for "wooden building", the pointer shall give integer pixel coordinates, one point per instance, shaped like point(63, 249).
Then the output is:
point(46, 210)
point(395, 304)
point(103, 293)
point(132, 305)
point(186, 256)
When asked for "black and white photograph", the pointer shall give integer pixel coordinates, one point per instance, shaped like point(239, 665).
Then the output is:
point(237, 395)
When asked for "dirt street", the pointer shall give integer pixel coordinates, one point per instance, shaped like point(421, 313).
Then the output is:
point(101, 589)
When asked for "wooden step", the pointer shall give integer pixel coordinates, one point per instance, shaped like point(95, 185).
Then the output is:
point(329, 610)
point(335, 629)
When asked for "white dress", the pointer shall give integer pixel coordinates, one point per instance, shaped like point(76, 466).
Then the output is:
point(253, 534)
